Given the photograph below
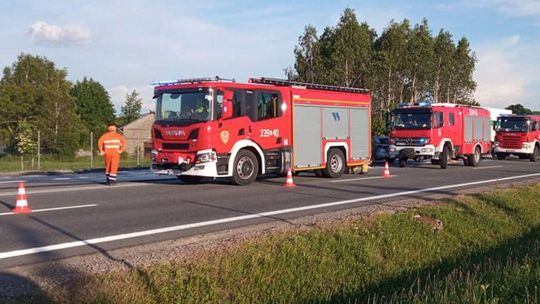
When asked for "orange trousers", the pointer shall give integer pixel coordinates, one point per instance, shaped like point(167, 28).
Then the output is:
point(112, 160)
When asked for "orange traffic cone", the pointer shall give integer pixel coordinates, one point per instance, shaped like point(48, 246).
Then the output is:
point(289, 183)
point(22, 202)
point(386, 170)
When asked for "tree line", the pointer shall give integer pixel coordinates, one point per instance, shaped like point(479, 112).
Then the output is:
point(35, 96)
point(405, 63)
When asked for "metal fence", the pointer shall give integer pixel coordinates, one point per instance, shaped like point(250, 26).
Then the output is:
point(43, 154)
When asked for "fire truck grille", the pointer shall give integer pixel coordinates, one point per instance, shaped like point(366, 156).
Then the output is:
point(408, 142)
point(510, 142)
point(175, 146)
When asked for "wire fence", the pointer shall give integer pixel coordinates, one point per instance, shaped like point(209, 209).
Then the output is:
point(37, 153)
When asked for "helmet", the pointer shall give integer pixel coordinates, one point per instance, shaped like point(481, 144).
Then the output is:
point(111, 128)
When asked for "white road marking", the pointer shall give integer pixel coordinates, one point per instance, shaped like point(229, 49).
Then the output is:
point(61, 178)
point(106, 239)
point(360, 178)
point(54, 209)
point(12, 181)
point(488, 167)
point(72, 189)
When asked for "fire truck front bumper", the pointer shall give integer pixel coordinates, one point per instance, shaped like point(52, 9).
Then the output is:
point(528, 148)
point(411, 151)
point(202, 163)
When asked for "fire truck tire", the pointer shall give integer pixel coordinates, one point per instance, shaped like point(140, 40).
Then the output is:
point(444, 157)
point(187, 179)
point(535, 155)
point(474, 159)
point(245, 168)
point(335, 164)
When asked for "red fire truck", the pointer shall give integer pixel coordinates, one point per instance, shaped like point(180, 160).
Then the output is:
point(439, 132)
point(518, 135)
point(212, 127)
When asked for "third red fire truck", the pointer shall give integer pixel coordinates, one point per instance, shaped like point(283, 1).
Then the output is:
point(220, 128)
point(518, 135)
point(440, 132)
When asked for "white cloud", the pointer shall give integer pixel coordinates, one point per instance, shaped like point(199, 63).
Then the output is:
point(118, 96)
point(55, 35)
point(519, 7)
point(504, 72)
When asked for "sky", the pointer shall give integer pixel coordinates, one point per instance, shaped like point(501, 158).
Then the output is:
point(126, 45)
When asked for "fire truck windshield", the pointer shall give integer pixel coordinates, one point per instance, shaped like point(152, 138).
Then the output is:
point(513, 124)
point(184, 106)
point(401, 119)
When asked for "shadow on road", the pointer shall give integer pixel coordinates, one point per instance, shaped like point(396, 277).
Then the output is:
point(17, 289)
point(65, 281)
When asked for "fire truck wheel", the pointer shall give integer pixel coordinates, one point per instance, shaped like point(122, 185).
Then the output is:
point(246, 168)
point(190, 179)
point(534, 156)
point(444, 157)
point(335, 165)
point(475, 158)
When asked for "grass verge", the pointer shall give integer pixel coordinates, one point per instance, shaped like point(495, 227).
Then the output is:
point(487, 252)
point(52, 163)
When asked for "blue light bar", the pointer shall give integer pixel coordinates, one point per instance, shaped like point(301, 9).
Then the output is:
point(190, 80)
point(424, 103)
point(180, 81)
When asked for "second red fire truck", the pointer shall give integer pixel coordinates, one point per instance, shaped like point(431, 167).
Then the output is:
point(440, 132)
point(518, 135)
point(220, 128)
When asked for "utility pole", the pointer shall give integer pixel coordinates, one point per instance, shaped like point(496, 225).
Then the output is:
point(39, 150)
point(91, 150)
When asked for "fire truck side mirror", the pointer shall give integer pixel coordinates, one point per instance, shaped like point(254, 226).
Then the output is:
point(227, 111)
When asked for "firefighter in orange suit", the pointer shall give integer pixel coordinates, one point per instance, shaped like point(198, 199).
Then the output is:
point(110, 145)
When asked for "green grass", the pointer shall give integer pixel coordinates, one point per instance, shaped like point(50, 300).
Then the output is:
point(52, 163)
point(488, 252)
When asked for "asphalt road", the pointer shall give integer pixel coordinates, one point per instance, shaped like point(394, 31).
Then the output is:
point(77, 214)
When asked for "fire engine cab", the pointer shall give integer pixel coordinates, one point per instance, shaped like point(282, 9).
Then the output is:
point(439, 132)
point(213, 127)
point(518, 135)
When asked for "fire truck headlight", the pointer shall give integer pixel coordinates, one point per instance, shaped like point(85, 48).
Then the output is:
point(392, 149)
point(526, 145)
point(206, 157)
point(496, 144)
point(427, 150)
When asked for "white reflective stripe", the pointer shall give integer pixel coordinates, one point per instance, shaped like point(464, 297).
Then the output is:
point(22, 191)
point(112, 146)
point(112, 141)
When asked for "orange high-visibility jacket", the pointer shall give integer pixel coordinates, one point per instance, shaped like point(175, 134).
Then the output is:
point(111, 142)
